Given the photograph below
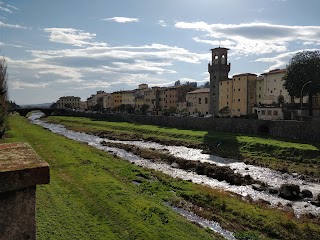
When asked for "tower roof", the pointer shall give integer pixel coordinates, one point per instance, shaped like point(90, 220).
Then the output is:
point(219, 49)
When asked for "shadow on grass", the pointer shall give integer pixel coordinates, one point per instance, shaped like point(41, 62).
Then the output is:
point(223, 144)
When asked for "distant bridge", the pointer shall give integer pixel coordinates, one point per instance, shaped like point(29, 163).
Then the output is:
point(46, 111)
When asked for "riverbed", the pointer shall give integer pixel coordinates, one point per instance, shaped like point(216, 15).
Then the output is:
point(268, 176)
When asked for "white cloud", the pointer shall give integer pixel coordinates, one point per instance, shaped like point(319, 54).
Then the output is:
point(17, 84)
point(162, 23)
point(121, 19)
point(7, 8)
point(72, 36)
point(281, 60)
point(11, 45)
point(6, 25)
point(253, 38)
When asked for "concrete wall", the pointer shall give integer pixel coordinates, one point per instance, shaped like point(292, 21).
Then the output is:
point(288, 129)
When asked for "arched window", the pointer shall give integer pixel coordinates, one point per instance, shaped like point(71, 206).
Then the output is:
point(223, 59)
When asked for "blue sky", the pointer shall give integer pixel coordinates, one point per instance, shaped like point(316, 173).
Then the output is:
point(76, 47)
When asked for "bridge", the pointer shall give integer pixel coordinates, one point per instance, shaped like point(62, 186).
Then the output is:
point(46, 111)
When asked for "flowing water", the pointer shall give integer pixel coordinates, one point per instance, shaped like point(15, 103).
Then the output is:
point(270, 177)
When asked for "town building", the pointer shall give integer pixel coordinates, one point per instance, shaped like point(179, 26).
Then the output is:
point(108, 102)
point(95, 99)
point(243, 94)
point(198, 101)
point(70, 102)
point(151, 98)
point(117, 99)
point(169, 97)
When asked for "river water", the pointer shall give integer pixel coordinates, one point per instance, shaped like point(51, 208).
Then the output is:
point(270, 177)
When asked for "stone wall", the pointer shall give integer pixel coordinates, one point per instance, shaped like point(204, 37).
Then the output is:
point(309, 131)
point(21, 169)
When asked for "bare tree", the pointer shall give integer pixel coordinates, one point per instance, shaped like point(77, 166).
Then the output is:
point(3, 96)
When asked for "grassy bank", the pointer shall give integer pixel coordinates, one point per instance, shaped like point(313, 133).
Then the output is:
point(279, 154)
point(93, 195)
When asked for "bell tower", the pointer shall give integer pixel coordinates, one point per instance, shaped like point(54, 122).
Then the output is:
point(218, 70)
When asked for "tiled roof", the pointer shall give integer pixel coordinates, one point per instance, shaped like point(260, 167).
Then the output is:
point(200, 90)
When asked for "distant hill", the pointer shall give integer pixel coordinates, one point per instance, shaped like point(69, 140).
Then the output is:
point(40, 105)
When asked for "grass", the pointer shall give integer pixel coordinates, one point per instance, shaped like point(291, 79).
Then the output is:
point(279, 154)
point(92, 196)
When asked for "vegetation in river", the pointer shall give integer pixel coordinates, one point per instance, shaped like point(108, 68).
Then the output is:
point(279, 154)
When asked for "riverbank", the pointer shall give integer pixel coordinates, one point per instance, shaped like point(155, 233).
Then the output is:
point(279, 154)
point(94, 195)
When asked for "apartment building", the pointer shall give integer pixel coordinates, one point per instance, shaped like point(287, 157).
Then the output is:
point(151, 98)
point(108, 101)
point(117, 98)
point(238, 94)
point(170, 96)
point(70, 102)
point(198, 101)
point(94, 99)
point(129, 98)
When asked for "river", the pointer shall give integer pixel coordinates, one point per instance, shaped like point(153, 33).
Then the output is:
point(270, 177)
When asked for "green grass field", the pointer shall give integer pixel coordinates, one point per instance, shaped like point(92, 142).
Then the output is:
point(92, 195)
point(279, 154)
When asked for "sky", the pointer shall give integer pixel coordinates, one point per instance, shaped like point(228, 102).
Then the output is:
point(77, 47)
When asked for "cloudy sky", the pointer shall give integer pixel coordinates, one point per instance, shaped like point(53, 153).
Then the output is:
point(76, 47)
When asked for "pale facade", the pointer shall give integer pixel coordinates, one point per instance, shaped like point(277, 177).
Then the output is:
point(151, 96)
point(108, 101)
point(198, 101)
point(243, 94)
point(260, 90)
point(70, 102)
point(96, 98)
point(274, 91)
point(129, 98)
point(225, 94)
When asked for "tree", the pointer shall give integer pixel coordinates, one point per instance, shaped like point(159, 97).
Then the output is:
point(3, 97)
point(303, 73)
point(206, 85)
point(177, 83)
point(225, 111)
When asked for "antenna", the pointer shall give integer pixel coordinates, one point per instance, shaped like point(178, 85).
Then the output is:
point(219, 43)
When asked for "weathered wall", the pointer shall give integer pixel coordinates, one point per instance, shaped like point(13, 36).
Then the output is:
point(288, 129)
point(17, 211)
point(21, 169)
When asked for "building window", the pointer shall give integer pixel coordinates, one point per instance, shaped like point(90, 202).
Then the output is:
point(228, 83)
point(259, 96)
point(239, 100)
point(199, 100)
point(259, 88)
point(269, 112)
point(238, 89)
point(221, 84)
point(206, 100)
point(227, 96)
point(239, 79)
point(263, 112)
point(275, 113)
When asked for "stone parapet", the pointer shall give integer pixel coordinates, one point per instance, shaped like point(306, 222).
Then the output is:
point(21, 169)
